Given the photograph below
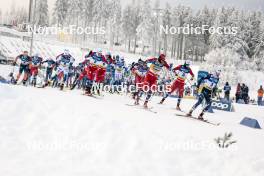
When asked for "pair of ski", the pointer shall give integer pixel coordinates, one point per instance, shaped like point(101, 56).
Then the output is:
point(195, 118)
point(179, 115)
point(141, 107)
point(92, 96)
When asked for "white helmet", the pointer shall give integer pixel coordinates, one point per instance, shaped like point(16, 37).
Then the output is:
point(108, 53)
point(99, 50)
point(217, 72)
point(66, 52)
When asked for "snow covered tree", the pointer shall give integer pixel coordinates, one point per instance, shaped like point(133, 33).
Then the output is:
point(41, 17)
point(88, 14)
point(145, 28)
point(166, 22)
point(114, 13)
point(130, 22)
point(225, 59)
point(127, 26)
point(181, 17)
point(1, 17)
point(60, 12)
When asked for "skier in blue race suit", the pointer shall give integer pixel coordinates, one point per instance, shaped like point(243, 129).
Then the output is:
point(206, 85)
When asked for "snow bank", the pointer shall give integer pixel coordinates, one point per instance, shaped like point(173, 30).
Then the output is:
point(49, 132)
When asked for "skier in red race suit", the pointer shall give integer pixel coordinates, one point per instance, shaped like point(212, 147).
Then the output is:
point(150, 81)
point(101, 68)
point(181, 72)
point(34, 67)
point(94, 70)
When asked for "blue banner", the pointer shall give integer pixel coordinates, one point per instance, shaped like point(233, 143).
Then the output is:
point(221, 105)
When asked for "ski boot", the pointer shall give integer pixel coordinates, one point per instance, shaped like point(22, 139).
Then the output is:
point(178, 108)
point(98, 92)
point(162, 100)
point(88, 91)
point(61, 86)
point(189, 113)
point(200, 117)
point(136, 101)
point(24, 82)
point(146, 105)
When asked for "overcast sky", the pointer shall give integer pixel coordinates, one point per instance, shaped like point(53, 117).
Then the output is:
point(196, 4)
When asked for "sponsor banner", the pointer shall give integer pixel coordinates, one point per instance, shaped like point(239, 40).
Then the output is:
point(221, 105)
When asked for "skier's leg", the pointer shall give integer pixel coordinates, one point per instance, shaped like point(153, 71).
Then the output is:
point(200, 100)
point(180, 92)
point(173, 88)
point(150, 81)
point(26, 72)
point(148, 96)
point(208, 104)
point(88, 86)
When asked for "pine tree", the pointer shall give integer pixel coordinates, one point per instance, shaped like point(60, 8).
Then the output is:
point(41, 17)
point(127, 25)
point(60, 12)
point(145, 28)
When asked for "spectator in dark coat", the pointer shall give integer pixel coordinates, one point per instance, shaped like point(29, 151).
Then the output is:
point(238, 92)
point(244, 92)
point(227, 89)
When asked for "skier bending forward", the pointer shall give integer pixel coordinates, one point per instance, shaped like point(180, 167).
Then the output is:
point(178, 85)
point(151, 77)
point(206, 85)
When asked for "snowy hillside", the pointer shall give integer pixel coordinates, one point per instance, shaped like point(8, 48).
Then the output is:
point(49, 132)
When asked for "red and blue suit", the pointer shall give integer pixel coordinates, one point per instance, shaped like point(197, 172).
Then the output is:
point(181, 72)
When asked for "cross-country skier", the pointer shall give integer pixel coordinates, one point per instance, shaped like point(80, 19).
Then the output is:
point(49, 68)
point(23, 67)
point(181, 72)
point(34, 68)
point(139, 70)
point(109, 68)
point(206, 85)
point(95, 70)
point(119, 70)
point(64, 61)
point(150, 80)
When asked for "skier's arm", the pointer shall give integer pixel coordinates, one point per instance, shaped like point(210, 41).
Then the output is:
point(151, 60)
point(44, 61)
point(15, 61)
point(191, 73)
point(176, 68)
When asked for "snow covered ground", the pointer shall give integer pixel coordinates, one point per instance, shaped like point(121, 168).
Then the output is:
point(49, 132)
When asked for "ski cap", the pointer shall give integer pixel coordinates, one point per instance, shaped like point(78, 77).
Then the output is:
point(162, 57)
point(187, 63)
point(99, 50)
point(36, 55)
